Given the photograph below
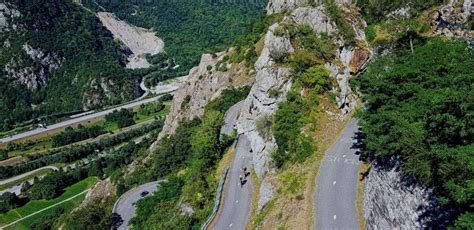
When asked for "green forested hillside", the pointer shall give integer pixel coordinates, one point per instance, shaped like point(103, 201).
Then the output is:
point(88, 52)
point(188, 28)
point(420, 108)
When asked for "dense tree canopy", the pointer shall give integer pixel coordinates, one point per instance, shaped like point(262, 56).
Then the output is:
point(188, 28)
point(420, 108)
point(87, 51)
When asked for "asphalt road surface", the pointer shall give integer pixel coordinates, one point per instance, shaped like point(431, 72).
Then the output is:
point(26, 174)
point(125, 205)
point(235, 209)
point(75, 120)
point(230, 118)
point(335, 197)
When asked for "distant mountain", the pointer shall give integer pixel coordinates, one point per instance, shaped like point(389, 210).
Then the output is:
point(55, 58)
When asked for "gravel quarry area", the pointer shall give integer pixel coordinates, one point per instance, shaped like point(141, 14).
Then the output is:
point(139, 40)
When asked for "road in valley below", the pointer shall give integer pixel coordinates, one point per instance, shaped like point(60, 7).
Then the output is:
point(70, 122)
point(125, 205)
point(15, 178)
point(236, 202)
point(335, 198)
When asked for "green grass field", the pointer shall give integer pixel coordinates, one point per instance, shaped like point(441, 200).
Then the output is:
point(67, 206)
point(13, 183)
point(37, 205)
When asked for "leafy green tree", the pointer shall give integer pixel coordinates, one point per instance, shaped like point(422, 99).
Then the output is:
point(419, 108)
point(8, 201)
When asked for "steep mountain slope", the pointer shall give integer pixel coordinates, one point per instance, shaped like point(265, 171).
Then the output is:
point(188, 28)
point(57, 58)
point(292, 77)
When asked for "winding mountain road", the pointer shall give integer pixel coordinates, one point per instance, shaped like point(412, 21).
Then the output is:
point(335, 198)
point(125, 205)
point(236, 204)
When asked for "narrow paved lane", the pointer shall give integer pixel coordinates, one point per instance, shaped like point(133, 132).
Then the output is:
point(230, 118)
point(125, 205)
point(335, 197)
point(237, 199)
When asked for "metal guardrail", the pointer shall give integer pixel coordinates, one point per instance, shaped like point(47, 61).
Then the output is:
point(217, 202)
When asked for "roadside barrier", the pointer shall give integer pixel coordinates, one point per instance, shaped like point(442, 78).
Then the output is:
point(217, 202)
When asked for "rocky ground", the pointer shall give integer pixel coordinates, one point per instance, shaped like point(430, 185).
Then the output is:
point(138, 40)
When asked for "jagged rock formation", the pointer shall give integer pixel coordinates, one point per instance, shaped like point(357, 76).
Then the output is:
point(452, 20)
point(204, 83)
point(270, 76)
point(259, 103)
point(99, 191)
point(278, 6)
point(138, 40)
point(393, 202)
point(34, 68)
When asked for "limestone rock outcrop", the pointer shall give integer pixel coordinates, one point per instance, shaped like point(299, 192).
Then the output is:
point(259, 104)
point(204, 83)
point(35, 75)
point(392, 202)
point(100, 191)
point(279, 6)
point(452, 20)
point(315, 17)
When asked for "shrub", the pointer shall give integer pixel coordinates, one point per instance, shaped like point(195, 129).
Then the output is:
point(316, 78)
point(123, 117)
point(264, 126)
point(345, 28)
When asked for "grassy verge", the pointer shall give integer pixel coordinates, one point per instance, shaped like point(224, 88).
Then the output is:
point(27, 178)
point(12, 161)
point(36, 205)
point(364, 168)
point(292, 205)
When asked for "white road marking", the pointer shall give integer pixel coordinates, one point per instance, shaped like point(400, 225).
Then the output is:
point(334, 217)
point(334, 182)
point(236, 201)
point(230, 225)
point(344, 156)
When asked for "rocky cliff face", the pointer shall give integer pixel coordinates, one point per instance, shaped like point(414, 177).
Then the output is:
point(452, 20)
point(99, 192)
point(391, 201)
point(33, 69)
point(271, 76)
point(204, 83)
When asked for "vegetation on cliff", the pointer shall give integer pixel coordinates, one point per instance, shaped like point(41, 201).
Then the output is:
point(420, 108)
point(87, 51)
point(188, 28)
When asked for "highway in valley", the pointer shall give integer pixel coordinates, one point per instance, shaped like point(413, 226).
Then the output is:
point(336, 192)
point(76, 120)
